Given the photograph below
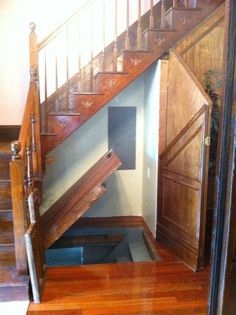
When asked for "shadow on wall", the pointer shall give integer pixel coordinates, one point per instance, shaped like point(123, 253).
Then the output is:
point(116, 201)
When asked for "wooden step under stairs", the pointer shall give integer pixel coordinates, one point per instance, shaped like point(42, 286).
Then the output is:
point(13, 287)
point(78, 199)
point(76, 106)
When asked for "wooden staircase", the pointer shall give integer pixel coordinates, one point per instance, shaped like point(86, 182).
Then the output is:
point(12, 285)
point(65, 110)
point(174, 23)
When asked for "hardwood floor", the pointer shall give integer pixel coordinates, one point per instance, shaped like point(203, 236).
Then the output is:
point(166, 288)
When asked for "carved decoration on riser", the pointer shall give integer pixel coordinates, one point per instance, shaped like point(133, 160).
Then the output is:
point(62, 126)
point(86, 105)
point(136, 61)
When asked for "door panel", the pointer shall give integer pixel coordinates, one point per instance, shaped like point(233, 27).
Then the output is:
point(183, 167)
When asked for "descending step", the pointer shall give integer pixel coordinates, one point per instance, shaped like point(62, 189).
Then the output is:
point(78, 199)
point(139, 251)
point(133, 247)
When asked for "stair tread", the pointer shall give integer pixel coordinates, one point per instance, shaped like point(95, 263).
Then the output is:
point(137, 51)
point(63, 114)
point(88, 93)
point(163, 30)
point(122, 247)
point(185, 9)
point(48, 134)
point(111, 72)
point(9, 277)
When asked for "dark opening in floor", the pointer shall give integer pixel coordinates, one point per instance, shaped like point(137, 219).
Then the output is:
point(82, 246)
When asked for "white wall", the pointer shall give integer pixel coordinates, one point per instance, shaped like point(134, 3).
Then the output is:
point(150, 150)
point(124, 188)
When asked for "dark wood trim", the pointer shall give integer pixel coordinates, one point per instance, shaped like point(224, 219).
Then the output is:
point(224, 222)
point(9, 132)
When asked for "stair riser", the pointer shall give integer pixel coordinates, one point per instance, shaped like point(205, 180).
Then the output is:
point(14, 293)
point(160, 41)
point(86, 105)
point(136, 61)
point(4, 167)
point(6, 216)
point(177, 19)
point(7, 256)
point(5, 195)
point(110, 83)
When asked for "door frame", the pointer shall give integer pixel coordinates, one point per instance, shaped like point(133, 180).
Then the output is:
point(225, 191)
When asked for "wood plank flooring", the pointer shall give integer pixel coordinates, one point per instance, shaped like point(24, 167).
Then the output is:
point(166, 288)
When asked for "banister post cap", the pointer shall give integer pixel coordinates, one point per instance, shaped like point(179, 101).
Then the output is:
point(15, 149)
point(32, 26)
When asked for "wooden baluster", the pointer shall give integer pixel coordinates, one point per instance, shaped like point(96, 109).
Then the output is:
point(91, 55)
point(115, 51)
point(103, 35)
point(19, 207)
point(127, 42)
point(151, 16)
point(29, 177)
point(163, 14)
point(34, 146)
point(186, 3)
point(67, 70)
point(33, 55)
point(39, 169)
point(139, 29)
point(45, 107)
point(57, 104)
point(175, 3)
point(79, 60)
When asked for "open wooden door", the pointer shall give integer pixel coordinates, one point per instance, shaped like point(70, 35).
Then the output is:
point(183, 164)
point(35, 249)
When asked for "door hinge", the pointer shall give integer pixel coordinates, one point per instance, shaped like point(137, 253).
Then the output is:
point(207, 141)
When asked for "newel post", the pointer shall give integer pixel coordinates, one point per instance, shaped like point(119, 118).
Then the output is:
point(18, 207)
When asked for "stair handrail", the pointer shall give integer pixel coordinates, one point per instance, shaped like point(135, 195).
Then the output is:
point(26, 164)
point(63, 26)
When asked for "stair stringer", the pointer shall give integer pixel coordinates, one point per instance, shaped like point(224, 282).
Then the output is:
point(77, 199)
point(109, 84)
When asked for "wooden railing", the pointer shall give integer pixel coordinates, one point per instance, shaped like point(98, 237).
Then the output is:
point(26, 165)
